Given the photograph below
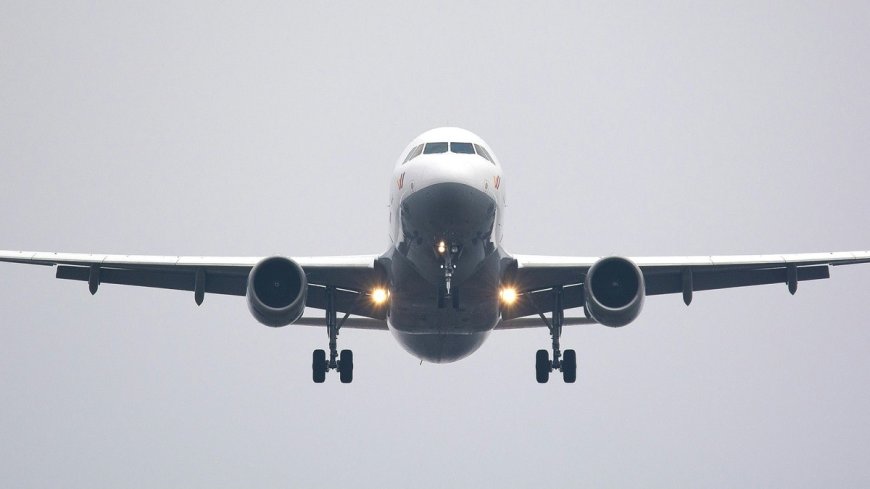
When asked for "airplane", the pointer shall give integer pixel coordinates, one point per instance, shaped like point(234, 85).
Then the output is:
point(445, 282)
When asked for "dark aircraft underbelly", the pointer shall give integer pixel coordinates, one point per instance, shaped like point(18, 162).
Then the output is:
point(459, 215)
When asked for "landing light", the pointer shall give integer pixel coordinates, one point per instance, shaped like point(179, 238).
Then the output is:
point(442, 247)
point(508, 295)
point(379, 296)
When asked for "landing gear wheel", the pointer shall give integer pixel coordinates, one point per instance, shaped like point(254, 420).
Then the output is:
point(342, 362)
point(318, 366)
point(345, 366)
point(569, 366)
point(565, 361)
point(542, 366)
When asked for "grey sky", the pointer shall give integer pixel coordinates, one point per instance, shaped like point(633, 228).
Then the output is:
point(241, 129)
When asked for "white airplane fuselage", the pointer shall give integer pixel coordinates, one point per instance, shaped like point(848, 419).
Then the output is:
point(446, 215)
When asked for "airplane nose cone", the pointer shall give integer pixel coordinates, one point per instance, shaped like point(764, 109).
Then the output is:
point(441, 348)
point(451, 205)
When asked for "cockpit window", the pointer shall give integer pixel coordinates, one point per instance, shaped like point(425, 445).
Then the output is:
point(482, 152)
point(464, 148)
point(435, 148)
point(443, 147)
point(414, 153)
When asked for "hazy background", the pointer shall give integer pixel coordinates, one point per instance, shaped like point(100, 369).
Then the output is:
point(254, 129)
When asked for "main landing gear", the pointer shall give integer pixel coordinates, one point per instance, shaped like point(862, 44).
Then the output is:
point(342, 362)
point(566, 363)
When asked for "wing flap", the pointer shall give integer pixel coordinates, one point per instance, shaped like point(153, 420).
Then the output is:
point(534, 272)
point(346, 301)
point(542, 278)
point(352, 275)
point(349, 323)
point(672, 282)
point(535, 276)
point(215, 283)
point(533, 322)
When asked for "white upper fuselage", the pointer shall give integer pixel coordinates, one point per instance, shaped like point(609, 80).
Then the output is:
point(428, 169)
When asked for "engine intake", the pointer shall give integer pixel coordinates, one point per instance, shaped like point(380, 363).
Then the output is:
point(614, 291)
point(277, 289)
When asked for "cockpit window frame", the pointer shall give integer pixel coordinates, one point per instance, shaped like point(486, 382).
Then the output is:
point(448, 147)
point(469, 146)
point(483, 153)
point(436, 144)
point(414, 153)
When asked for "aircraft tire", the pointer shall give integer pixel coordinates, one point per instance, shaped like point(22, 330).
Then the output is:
point(345, 366)
point(569, 367)
point(318, 366)
point(542, 366)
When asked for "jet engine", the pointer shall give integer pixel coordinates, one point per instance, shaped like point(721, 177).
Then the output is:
point(277, 289)
point(614, 291)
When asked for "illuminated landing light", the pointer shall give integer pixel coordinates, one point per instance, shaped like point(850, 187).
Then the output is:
point(380, 296)
point(508, 295)
point(442, 247)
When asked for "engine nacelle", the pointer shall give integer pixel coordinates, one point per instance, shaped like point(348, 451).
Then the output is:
point(277, 289)
point(614, 291)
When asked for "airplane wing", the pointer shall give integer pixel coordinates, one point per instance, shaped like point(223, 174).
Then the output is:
point(352, 275)
point(536, 276)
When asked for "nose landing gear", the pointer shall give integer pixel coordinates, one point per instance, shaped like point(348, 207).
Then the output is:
point(566, 363)
point(449, 257)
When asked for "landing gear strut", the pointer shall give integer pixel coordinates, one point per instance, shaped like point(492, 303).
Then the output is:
point(449, 256)
point(342, 362)
point(567, 364)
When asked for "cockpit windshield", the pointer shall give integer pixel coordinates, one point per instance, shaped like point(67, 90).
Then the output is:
point(453, 147)
point(435, 148)
point(464, 148)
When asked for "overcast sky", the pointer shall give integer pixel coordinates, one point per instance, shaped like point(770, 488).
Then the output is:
point(243, 129)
